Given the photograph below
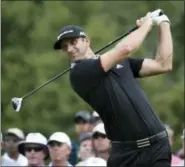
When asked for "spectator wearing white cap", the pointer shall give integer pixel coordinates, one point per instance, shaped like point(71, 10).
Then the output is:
point(6, 162)
point(59, 145)
point(175, 159)
point(101, 143)
point(12, 137)
point(35, 149)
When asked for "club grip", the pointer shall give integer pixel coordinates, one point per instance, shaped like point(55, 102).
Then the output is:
point(157, 12)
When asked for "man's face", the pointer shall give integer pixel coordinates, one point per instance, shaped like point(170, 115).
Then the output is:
point(58, 151)
point(75, 47)
point(82, 126)
point(86, 149)
point(11, 143)
point(100, 142)
point(35, 154)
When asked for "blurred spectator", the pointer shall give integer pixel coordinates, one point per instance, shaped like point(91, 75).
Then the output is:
point(59, 145)
point(11, 139)
point(85, 149)
point(182, 163)
point(86, 153)
point(6, 162)
point(95, 119)
point(35, 149)
point(83, 122)
point(175, 160)
point(101, 143)
point(181, 152)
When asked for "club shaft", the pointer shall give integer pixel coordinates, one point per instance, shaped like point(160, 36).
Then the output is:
point(52, 79)
point(62, 73)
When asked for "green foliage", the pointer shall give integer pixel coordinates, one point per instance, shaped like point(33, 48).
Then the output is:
point(29, 29)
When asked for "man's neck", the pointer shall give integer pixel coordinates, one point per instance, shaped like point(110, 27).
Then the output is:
point(60, 163)
point(104, 155)
point(34, 165)
point(13, 155)
point(89, 55)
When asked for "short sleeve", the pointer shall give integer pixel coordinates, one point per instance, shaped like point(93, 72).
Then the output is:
point(135, 65)
point(87, 74)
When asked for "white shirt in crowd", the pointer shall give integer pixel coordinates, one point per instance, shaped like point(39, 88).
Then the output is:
point(5, 162)
point(50, 164)
point(182, 163)
point(21, 160)
point(92, 161)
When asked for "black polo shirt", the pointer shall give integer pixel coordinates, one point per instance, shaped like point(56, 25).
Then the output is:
point(117, 97)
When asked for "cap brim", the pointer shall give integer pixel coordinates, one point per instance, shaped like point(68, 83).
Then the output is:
point(14, 134)
point(57, 44)
point(53, 140)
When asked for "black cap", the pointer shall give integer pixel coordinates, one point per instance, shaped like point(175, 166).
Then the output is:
point(69, 31)
point(83, 115)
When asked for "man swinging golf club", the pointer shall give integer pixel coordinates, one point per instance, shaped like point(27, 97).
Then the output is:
point(107, 83)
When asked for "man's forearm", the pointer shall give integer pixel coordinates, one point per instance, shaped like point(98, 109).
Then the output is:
point(164, 53)
point(135, 39)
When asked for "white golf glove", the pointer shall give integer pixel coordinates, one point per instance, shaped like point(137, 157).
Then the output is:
point(159, 19)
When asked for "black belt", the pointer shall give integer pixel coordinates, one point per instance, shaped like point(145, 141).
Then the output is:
point(142, 142)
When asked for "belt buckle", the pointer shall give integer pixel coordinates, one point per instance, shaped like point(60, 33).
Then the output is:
point(143, 142)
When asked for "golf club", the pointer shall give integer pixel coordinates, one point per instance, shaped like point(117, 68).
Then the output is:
point(17, 102)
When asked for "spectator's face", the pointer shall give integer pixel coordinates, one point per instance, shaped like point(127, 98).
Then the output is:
point(82, 126)
point(86, 149)
point(58, 151)
point(11, 143)
point(100, 142)
point(35, 154)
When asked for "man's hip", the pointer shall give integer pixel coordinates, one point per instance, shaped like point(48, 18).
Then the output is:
point(145, 153)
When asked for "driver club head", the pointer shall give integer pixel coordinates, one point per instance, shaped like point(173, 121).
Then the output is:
point(16, 103)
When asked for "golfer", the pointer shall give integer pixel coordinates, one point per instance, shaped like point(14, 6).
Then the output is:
point(108, 84)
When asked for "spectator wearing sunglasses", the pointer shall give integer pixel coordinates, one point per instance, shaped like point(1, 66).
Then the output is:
point(35, 149)
point(101, 143)
point(12, 137)
point(59, 145)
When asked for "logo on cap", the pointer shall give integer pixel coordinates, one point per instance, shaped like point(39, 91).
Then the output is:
point(65, 32)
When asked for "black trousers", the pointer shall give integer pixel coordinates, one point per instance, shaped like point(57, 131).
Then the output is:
point(157, 154)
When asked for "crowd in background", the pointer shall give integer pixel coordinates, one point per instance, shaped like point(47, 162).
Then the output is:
point(91, 149)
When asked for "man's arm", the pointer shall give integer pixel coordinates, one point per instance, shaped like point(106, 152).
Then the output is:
point(163, 59)
point(127, 45)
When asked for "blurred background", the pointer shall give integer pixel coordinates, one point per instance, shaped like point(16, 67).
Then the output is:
point(29, 29)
